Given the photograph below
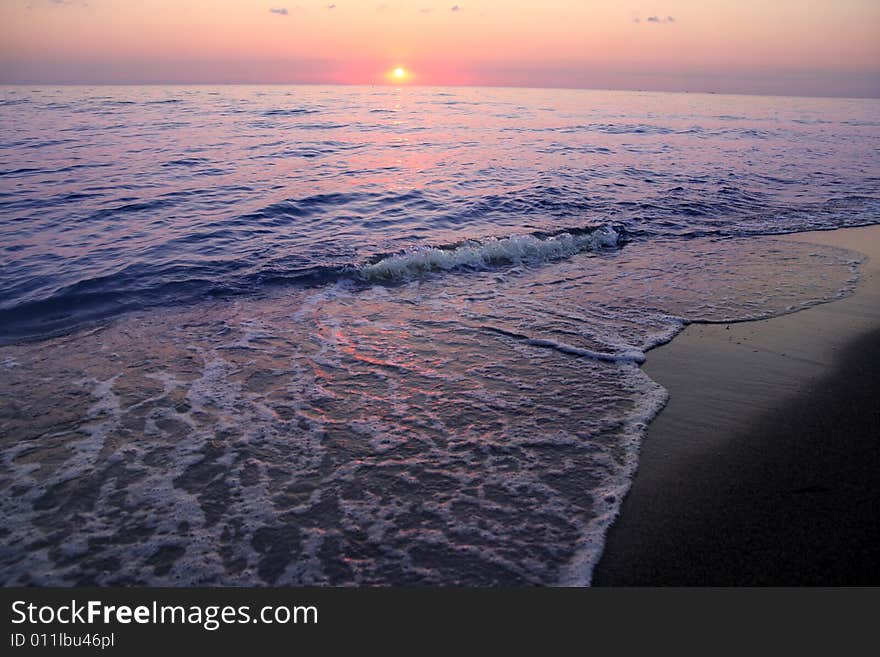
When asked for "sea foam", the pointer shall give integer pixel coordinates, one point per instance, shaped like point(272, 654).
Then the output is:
point(475, 254)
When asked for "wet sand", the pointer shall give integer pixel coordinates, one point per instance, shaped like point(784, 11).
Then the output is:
point(764, 467)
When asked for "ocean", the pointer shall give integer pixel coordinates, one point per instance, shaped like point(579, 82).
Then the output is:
point(375, 335)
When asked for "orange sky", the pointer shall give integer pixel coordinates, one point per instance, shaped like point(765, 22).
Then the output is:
point(809, 47)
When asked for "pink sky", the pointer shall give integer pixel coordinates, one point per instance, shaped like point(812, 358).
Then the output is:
point(800, 47)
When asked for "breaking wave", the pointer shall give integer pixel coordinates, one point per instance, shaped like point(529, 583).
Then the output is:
point(475, 254)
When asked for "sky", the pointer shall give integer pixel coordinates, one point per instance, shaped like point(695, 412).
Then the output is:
point(785, 47)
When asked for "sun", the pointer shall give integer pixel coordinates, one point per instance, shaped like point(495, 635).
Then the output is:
point(399, 74)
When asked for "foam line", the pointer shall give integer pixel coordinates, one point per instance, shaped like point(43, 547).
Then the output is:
point(475, 254)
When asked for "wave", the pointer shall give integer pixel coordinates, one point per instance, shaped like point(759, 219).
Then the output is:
point(41, 305)
point(474, 254)
point(143, 285)
point(295, 111)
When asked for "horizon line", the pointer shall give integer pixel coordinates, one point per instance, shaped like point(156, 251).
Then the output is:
point(427, 86)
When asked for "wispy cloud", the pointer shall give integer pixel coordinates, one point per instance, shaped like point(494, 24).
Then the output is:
point(281, 11)
point(657, 20)
point(331, 6)
point(57, 3)
point(456, 8)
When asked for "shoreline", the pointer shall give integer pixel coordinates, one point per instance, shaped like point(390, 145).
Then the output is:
point(764, 466)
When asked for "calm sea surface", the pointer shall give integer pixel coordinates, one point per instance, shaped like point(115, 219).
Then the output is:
point(342, 335)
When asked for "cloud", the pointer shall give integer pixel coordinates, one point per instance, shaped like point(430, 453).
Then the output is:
point(281, 11)
point(59, 3)
point(455, 8)
point(426, 10)
point(331, 6)
point(655, 19)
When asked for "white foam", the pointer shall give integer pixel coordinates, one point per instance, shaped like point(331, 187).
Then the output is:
point(609, 495)
point(515, 249)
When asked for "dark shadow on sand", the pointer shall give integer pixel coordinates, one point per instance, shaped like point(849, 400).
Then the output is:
point(794, 500)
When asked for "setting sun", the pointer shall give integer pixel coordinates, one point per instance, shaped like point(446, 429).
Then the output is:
point(399, 74)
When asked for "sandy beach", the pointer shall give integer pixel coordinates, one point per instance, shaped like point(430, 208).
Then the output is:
point(764, 467)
